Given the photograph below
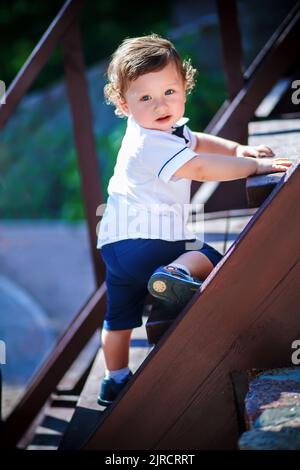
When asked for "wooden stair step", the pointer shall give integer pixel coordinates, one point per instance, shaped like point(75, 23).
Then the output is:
point(46, 431)
point(88, 414)
point(50, 432)
point(283, 136)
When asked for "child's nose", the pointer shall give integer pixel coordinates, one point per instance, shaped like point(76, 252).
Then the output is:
point(160, 104)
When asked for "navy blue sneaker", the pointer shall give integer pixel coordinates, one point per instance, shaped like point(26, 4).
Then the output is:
point(110, 389)
point(173, 285)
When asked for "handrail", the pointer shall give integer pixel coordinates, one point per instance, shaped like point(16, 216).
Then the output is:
point(271, 63)
point(38, 58)
point(257, 61)
point(63, 29)
point(276, 61)
point(262, 55)
point(48, 376)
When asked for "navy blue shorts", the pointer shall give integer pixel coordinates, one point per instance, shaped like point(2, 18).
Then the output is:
point(129, 265)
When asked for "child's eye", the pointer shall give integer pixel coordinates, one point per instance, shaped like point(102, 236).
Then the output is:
point(146, 98)
point(170, 92)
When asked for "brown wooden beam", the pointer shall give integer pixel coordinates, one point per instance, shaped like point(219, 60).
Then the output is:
point(283, 55)
point(89, 319)
point(44, 382)
point(84, 138)
point(232, 55)
point(256, 63)
point(231, 46)
point(277, 57)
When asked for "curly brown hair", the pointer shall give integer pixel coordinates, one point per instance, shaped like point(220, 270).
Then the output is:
point(137, 56)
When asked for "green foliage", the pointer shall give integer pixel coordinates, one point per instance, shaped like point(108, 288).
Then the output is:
point(209, 92)
point(39, 175)
point(41, 179)
point(205, 99)
point(33, 176)
point(107, 148)
point(103, 24)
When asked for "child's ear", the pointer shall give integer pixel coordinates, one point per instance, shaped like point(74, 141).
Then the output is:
point(123, 106)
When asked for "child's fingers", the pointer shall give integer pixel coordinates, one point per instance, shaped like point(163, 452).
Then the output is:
point(252, 152)
point(272, 165)
point(282, 160)
point(264, 150)
point(281, 165)
point(279, 168)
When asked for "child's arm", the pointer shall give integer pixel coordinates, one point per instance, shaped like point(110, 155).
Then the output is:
point(220, 168)
point(207, 143)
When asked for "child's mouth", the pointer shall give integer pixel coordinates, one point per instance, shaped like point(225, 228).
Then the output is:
point(163, 119)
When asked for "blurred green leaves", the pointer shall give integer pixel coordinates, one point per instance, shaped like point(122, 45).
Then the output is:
point(39, 175)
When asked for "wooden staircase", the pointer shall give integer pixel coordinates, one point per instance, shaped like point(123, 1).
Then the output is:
point(47, 430)
point(72, 411)
point(244, 316)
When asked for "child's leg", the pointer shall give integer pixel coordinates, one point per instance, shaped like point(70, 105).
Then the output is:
point(198, 264)
point(177, 281)
point(116, 344)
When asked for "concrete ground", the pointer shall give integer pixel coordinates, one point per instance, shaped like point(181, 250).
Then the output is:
point(45, 278)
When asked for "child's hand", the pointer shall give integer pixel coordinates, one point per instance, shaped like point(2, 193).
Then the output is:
point(257, 151)
point(272, 165)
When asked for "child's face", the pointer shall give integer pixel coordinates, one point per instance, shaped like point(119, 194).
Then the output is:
point(156, 100)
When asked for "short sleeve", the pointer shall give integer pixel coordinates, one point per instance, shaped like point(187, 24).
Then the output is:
point(163, 153)
point(190, 135)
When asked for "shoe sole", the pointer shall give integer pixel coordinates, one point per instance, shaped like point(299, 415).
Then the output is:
point(103, 402)
point(171, 289)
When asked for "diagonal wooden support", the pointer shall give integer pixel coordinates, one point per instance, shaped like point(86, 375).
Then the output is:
point(64, 28)
point(277, 58)
point(44, 382)
point(38, 58)
point(246, 315)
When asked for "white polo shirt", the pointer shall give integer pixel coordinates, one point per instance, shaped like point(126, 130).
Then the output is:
point(145, 200)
